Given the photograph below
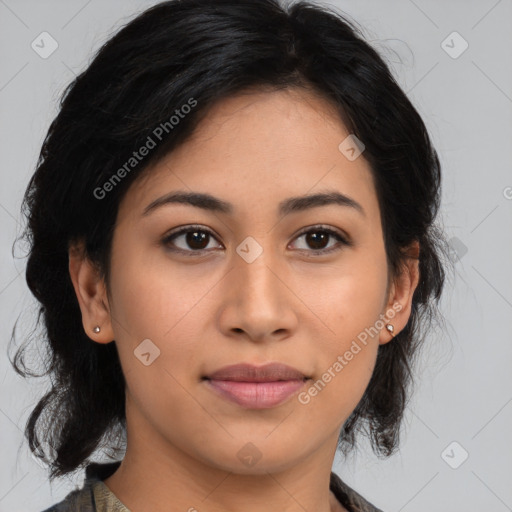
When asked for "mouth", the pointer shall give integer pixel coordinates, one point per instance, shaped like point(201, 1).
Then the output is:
point(256, 387)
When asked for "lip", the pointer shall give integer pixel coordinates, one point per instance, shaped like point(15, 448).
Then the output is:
point(256, 387)
point(269, 372)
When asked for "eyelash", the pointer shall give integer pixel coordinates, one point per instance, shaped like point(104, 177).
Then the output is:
point(342, 241)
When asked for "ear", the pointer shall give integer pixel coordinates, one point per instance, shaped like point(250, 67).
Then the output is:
point(399, 304)
point(91, 294)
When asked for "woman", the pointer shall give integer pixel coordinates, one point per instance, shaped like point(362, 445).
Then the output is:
point(233, 243)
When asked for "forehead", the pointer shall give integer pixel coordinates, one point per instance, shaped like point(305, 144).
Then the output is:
point(255, 148)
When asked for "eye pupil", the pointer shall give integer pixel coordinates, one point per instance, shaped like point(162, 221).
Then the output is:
point(194, 236)
point(315, 237)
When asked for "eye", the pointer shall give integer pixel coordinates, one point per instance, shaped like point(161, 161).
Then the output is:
point(319, 236)
point(194, 239)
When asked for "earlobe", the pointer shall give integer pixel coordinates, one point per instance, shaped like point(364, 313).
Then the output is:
point(398, 309)
point(391, 329)
point(91, 294)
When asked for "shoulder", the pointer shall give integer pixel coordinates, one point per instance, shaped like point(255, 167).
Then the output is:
point(93, 496)
point(350, 498)
point(79, 500)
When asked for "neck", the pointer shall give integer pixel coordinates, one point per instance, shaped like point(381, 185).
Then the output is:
point(155, 475)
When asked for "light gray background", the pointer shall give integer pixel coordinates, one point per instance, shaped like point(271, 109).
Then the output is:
point(464, 391)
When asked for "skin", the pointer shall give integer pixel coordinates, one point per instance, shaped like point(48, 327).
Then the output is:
point(205, 312)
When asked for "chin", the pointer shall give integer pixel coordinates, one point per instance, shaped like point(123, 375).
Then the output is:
point(261, 467)
point(251, 457)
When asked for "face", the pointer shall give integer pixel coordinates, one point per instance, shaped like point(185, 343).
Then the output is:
point(258, 279)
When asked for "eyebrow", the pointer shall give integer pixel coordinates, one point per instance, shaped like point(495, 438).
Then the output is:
point(290, 205)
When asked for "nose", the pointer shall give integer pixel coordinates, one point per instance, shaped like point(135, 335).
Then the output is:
point(259, 303)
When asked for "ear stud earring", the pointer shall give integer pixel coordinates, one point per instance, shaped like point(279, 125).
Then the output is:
point(97, 329)
point(390, 329)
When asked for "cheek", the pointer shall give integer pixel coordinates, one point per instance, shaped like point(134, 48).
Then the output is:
point(155, 338)
point(348, 353)
point(346, 359)
point(336, 393)
point(152, 295)
point(157, 352)
point(351, 300)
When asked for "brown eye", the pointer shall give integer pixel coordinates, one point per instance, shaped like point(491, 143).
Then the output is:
point(196, 239)
point(189, 240)
point(317, 240)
